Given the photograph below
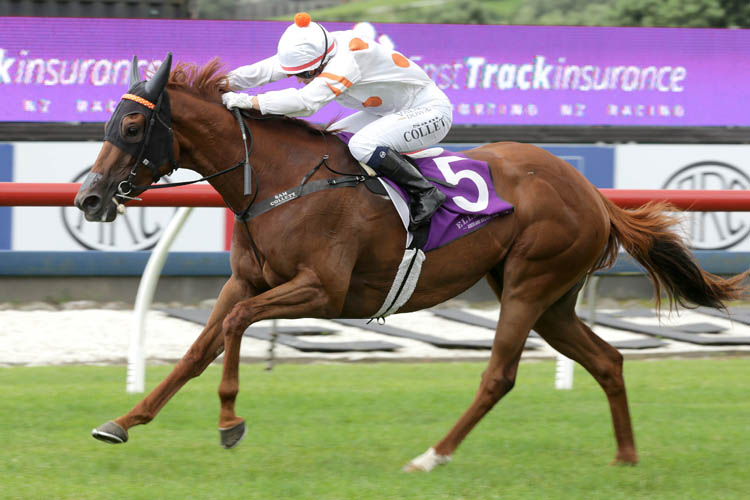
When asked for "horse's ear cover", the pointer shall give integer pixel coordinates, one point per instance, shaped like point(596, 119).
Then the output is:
point(156, 83)
point(135, 76)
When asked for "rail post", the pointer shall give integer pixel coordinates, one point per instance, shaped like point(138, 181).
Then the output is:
point(136, 374)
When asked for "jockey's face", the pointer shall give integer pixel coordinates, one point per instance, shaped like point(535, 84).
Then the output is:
point(302, 79)
point(308, 76)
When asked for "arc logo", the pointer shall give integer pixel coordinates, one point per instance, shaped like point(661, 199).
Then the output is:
point(713, 230)
point(138, 229)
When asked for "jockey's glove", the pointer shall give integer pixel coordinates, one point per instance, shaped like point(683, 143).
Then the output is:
point(234, 100)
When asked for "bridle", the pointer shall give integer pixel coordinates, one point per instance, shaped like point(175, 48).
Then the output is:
point(126, 187)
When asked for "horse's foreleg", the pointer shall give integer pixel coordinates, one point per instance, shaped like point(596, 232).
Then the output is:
point(302, 296)
point(498, 379)
point(566, 333)
point(204, 350)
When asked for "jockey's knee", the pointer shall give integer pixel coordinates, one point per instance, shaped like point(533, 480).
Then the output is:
point(362, 148)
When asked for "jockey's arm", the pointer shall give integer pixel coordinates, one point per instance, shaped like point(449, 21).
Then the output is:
point(255, 75)
point(332, 82)
point(296, 102)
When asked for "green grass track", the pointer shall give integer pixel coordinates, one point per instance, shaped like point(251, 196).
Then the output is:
point(343, 431)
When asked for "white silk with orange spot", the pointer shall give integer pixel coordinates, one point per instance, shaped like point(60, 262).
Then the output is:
point(373, 102)
point(398, 105)
point(360, 70)
point(358, 44)
point(400, 60)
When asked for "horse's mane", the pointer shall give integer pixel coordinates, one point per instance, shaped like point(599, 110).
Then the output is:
point(210, 81)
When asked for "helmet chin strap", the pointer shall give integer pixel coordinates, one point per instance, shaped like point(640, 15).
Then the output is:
point(325, 47)
point(316, 71)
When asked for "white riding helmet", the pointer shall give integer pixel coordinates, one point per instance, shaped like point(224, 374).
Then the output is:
point(304, 46)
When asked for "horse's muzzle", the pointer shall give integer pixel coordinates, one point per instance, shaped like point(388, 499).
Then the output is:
point(95, 201)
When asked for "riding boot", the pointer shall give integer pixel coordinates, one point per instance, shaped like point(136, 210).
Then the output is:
point(425, 198)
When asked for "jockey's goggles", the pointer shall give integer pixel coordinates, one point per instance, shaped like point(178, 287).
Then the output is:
point(308, 74)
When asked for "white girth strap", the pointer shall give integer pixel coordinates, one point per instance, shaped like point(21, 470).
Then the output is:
point(411, 264)
point(404, 283)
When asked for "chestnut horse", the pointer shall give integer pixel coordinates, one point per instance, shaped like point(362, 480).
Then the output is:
point(334, 253)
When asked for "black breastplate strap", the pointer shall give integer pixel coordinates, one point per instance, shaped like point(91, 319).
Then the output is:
point(276, 200)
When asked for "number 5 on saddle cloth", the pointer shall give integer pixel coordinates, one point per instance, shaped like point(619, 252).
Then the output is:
point(471, 200)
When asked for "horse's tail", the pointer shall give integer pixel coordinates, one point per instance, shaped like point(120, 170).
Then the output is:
point(646, 235)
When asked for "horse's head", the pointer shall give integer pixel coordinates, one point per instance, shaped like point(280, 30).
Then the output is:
point(138, 147)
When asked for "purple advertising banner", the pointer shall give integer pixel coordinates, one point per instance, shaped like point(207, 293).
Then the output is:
point(74, 70)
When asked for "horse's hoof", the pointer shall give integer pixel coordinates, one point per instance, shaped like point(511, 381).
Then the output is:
point(412, 467)
point(110, 433)
point(426, 462)
point(626, 457)
point(232, 436)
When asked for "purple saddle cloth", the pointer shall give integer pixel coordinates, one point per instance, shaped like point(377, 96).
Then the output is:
point(471, 201)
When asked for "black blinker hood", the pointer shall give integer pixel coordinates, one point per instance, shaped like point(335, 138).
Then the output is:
point(156, 147)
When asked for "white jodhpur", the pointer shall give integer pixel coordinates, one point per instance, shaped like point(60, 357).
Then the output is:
point(427, 461)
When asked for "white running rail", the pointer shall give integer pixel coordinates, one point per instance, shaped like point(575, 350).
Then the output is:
point(136, 377)
point(564, 365)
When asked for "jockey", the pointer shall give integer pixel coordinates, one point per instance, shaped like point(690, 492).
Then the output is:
point(400, 109)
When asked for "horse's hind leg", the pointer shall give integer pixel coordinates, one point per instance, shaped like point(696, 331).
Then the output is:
point(204, 350)
point(516, 319)
point(530, 281)
point(565, 332)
